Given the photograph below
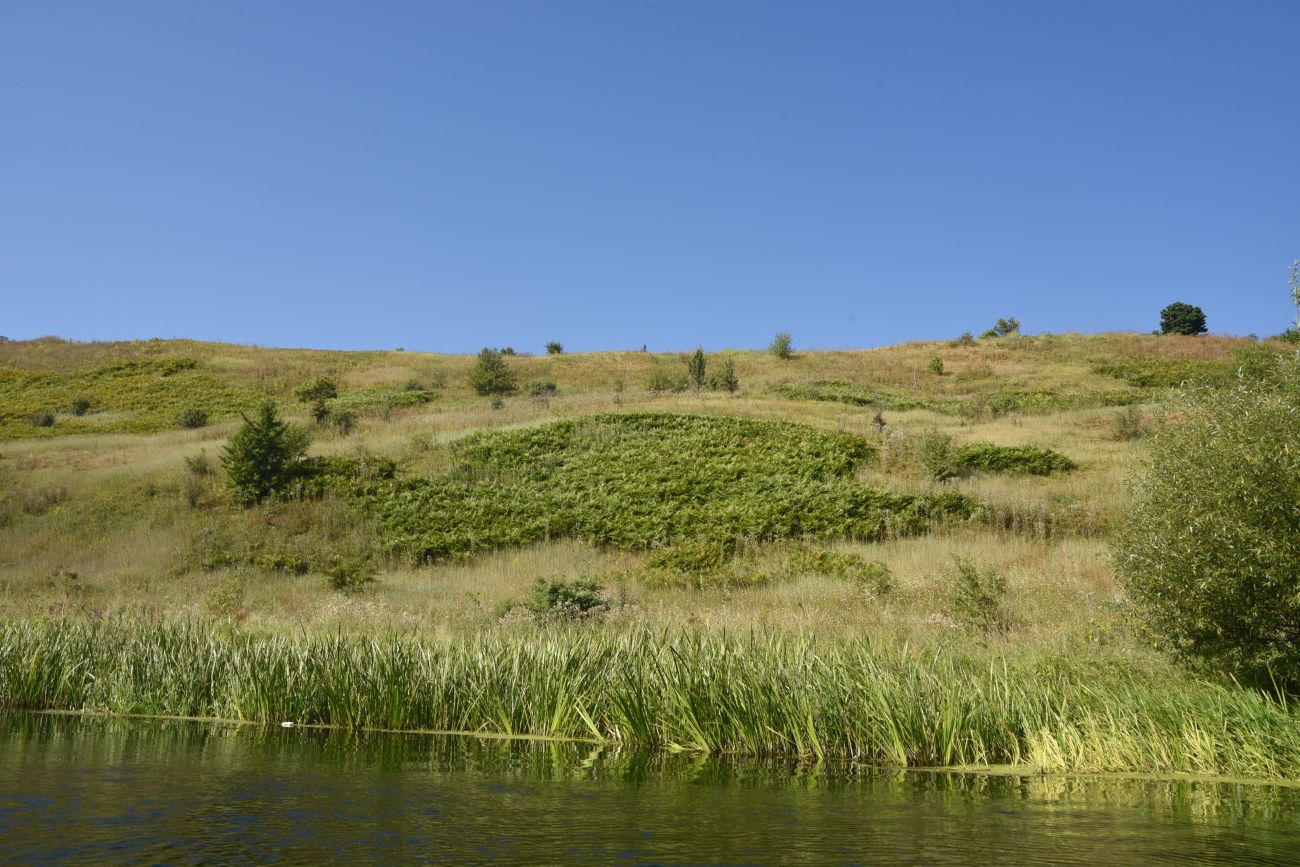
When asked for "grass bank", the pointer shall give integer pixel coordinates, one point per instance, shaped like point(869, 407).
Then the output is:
point(1062, 709)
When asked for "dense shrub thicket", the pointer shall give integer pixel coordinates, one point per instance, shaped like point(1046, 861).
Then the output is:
point(1209, 552)
point(645, 480)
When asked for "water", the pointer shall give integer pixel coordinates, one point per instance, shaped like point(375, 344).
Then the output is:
point(90, 790)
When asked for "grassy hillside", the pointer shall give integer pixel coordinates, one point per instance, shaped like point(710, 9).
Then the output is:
point(839, 495)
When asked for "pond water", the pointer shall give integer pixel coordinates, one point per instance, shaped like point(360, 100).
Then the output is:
point(95, 790)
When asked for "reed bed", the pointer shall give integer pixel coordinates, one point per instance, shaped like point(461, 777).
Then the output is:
point(771, 695)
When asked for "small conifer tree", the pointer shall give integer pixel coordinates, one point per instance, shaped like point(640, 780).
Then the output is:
point(260, 458)
point(695, 369)
point(491, 374)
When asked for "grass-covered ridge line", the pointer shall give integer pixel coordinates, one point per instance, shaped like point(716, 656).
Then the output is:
point(639, 481)
point(1069, 710)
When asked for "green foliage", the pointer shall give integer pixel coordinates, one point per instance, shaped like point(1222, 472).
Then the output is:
point(568, 600)
point(933, 453)
point(1208, 552)
point(317, 390)
point(879, 703)
point(782, 346)
point(647, 480)
point(542, 388)
point(663, 380)
point(1003, 328)
point(695, 369)
point(723, 377)
point(1130, 424)
point(839, 391)
point(977, 597)
point(261, 457)
point(1018, 460)
point(554, 347)
point(936, 366)
point(343, 421)
point(136, 396)
point(349, 574)
point(192, 418)
point(1180, 318)
point(491, 374)
point(870, 575)
point(1151, 372)
point(80, 405)
point(43, 419)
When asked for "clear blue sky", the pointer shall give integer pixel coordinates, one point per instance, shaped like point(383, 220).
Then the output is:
point(609, 174)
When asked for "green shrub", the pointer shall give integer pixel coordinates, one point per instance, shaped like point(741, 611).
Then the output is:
point(79, 406)
point(695, 369)
point(261, 457)
point(1017, 460)
point(569, 600)
point(542, 388)
point(343, 420)
point(1003, 328)
point(936, 366)
point(934, 455)
point(977, 597)
point(1130, 424)
point(192, 418)
point(317, 390)
point(662, 380)
point(693, 556)
point(554, 347)
point(43, 419)
point(1180, 318)
point(782, 346)
point(491, 374)
point(349, 574)
point(723, 377)
point(1208, 551)
point(871, 575)
point(966, 339)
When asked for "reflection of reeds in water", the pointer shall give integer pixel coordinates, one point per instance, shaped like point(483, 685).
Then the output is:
point(778, 695)
point(105, 741)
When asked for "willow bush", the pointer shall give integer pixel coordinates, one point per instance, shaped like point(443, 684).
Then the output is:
point(1210, 551)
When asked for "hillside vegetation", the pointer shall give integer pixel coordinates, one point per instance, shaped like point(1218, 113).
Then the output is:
point(914, 496)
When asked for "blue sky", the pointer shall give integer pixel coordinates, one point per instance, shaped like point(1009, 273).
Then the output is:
point(443, 176)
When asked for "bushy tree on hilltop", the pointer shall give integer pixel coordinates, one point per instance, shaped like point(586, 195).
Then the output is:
point(1180, 318)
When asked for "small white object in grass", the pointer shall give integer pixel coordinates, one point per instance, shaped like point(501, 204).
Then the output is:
point(287, 725)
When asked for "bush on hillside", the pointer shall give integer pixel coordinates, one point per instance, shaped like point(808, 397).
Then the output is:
point(723, 377)
point(192, 418)
point(261, 457)
point(491, 374)
point(695, 369)
point(782, 346)
point(1180, 318)
point(79, 405)
point(1017, 460)
point(319, 389)
point(1003, 328)
point(554, 347)
point(1208, 551)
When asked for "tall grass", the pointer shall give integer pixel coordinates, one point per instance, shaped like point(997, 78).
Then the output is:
point(766, 695)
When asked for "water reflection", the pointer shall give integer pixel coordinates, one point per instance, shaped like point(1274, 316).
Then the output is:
point(108, 790)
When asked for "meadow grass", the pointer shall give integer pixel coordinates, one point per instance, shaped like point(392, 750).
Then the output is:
point(1067, 709)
